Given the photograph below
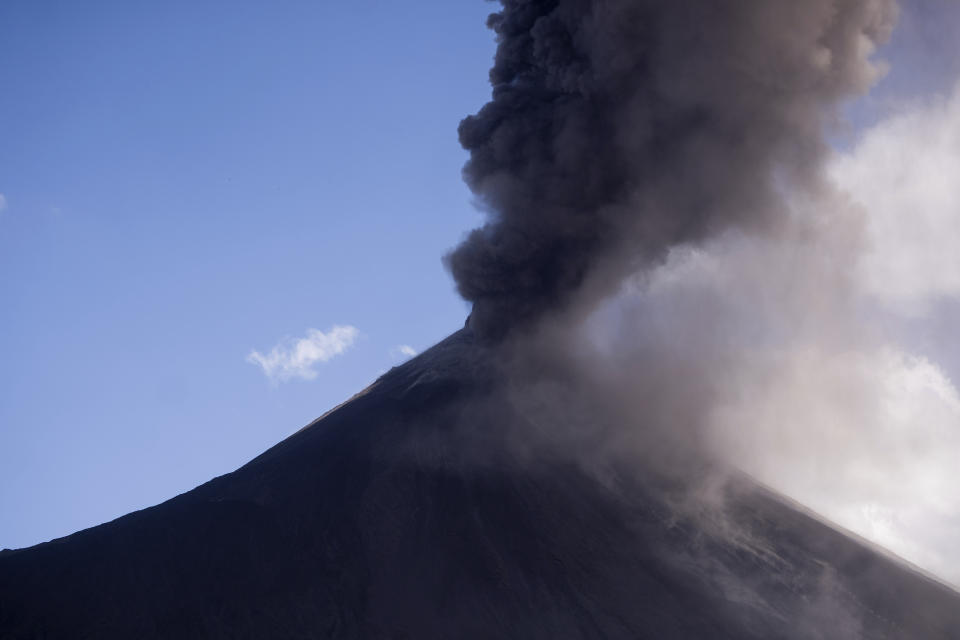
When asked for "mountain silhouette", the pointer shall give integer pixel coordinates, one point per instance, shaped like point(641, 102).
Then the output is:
point(407, 513)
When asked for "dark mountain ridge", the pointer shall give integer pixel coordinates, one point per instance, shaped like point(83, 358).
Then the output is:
point(407, 513)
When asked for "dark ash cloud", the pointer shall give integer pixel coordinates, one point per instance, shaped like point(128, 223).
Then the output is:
point(620, 128)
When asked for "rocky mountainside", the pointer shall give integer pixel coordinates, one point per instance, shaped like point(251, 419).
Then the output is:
point(406, 513)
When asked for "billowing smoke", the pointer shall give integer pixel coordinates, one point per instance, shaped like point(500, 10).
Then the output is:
point(705, 274)
point(621, 128)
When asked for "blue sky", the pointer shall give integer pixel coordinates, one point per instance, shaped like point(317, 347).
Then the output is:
point(185, 184)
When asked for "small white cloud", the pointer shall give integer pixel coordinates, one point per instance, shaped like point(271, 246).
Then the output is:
point(3, 202)
point(297, 358)
point(403, 351)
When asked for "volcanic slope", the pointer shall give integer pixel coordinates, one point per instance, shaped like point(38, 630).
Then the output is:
point(408, 513)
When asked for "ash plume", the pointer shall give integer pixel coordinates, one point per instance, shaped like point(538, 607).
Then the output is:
point(800, 351)
point(619, 129)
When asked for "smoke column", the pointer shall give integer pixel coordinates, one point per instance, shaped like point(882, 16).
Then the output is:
point(621, 128)
point(691, 269)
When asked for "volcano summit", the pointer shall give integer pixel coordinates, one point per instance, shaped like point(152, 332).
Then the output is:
point(408, 512)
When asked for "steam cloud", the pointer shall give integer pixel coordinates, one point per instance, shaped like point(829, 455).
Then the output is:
point(621, 128)
point(693, 269)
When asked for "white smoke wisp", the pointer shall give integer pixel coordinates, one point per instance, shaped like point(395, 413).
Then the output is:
point(903, 173)
point(793, 354)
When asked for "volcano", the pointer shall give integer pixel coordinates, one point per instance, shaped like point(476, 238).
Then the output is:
point(406, 512)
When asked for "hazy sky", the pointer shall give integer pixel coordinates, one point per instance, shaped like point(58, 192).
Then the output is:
point(218, 220)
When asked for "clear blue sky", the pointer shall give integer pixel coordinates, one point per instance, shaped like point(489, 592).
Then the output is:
point(185, 182)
